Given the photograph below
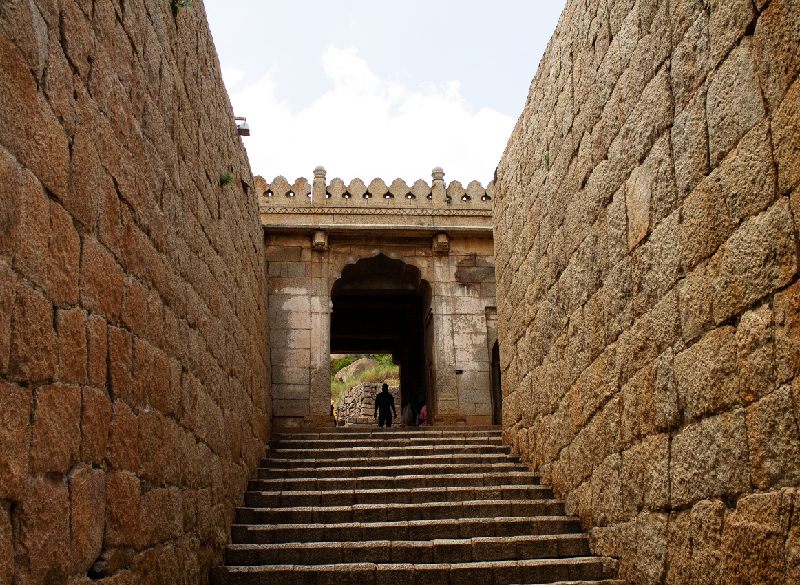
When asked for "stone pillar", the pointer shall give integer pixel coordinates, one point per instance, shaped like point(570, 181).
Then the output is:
point(438, 190)
point(320, 376)
point(444, 374)
point(319, 188)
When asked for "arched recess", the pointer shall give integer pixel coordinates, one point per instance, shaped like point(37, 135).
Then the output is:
point(379, 305)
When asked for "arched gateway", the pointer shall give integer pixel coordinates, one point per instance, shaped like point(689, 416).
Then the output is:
point(377, 269)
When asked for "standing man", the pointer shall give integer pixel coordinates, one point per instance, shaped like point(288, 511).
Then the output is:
point(384, 405)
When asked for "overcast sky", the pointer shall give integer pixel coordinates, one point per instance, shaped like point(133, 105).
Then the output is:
point(379, 88)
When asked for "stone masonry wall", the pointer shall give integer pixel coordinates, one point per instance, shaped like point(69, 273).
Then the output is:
point(133, 333)
point(646, 238)
point(357, 406)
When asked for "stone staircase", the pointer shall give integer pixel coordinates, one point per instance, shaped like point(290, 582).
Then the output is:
point(436, 506)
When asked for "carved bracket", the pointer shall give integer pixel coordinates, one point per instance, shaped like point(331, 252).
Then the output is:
point(440, 244)
point(319, 241)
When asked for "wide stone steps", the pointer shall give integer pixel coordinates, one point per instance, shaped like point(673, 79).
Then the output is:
point(291, 499)
point(412, 506)
point(572, 571)
point(465, 550)
point(391, 433)
point(394, 482)
point(381, 461)
point(399, 512)
point(387, 470)
point(353, 452)
point(403, 530)
point(379, 442)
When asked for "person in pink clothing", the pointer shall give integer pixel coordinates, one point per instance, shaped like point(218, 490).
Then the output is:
point(423, 416)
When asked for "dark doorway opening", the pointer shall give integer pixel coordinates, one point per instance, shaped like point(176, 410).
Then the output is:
point(497, 389)
point(378, 307)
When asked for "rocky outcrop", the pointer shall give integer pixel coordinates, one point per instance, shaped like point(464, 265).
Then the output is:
point(134, 368)
point(355, 369)
point(646, 238)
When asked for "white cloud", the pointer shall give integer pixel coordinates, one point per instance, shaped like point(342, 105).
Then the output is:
point(232, 76)
point(369, 127)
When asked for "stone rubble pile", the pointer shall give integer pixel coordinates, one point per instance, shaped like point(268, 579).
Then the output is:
point(357, 406)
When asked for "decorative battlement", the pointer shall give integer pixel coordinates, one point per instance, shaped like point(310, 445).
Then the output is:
point(280, 194)
point(322, 209)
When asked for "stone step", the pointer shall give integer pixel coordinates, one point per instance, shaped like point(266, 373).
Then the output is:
point(399, 432)
point(274, 499)
point(403, 530)
point(577, 569)
point(388, 470)
point(284, 452)
point(386, 461)
point(399, 512)
point(386, 482)
point(344, 442)
point(412, 507)
point(465, 550)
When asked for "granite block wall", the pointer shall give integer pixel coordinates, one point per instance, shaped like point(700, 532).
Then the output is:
point(134, 368)
point(646, 239)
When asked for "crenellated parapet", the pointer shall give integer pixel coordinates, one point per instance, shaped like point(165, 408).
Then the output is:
point(377, 194)
point(323, 208)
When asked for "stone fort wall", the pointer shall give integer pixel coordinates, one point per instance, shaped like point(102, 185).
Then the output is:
point(134, 366)
point(646, 239)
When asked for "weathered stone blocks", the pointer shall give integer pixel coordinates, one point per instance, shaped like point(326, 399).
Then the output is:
point(55, 445)
point(697, 334)
point(691, 62)
point(87, 490)
point(759, 258)
point(6, 546)
point(690, 145)
point(62, 258)
point(774, 441)
point(45, 150)
point(786, 144)
point(753, 539)
point(787, 333)
point(707, 375)
point(727, 23)
point(776, 50)
point(95, 425)
point(709, 459)
point(44, 531)
point(101, 281)
point(122, 509)
point(120, 360)
point(127, 283)
point(734, 103)
point(122, 450)
point(33, 339)
point(97, 350)
point(644, 476)
point(756, 350)
point(15, 437)
point(72, 348)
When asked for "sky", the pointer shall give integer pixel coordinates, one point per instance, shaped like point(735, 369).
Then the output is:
point(379, 88)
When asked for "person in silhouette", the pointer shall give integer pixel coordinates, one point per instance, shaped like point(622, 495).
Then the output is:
point(384, 406)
